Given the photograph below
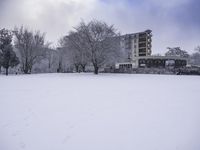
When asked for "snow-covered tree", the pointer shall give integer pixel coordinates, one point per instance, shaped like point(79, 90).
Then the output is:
point(76, 50)
point(176, 51)
point(195, 57)
point(8, 56)
point(31, 47)
point(95, 42)
point(51, 56)
point(197, 49)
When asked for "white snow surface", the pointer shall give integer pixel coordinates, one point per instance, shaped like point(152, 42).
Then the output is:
point(99, 112)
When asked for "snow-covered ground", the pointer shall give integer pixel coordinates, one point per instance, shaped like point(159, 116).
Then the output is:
point(104, 112)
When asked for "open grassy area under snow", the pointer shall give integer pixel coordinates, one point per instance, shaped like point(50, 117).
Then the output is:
point(103, 112)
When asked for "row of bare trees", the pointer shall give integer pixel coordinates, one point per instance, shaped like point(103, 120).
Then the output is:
point(177, 51)
point(29, 49)
point(94, 44)
point(194, 58)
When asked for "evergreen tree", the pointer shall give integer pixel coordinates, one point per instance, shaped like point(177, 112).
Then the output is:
point(8, 56)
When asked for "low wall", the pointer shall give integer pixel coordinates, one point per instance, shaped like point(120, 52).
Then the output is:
point(178, 71)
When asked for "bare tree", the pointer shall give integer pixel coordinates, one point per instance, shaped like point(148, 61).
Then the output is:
point(95, 41)
point(76, 50)
point(51, 56)
point(195, 57)
point(63, 62)
point(31, 47)
point(176, 51)
point(197, 49)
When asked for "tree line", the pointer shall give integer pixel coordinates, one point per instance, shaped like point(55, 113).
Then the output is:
point(92, 45)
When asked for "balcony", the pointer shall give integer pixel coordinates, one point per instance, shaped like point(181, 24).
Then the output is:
point(143, 50)
point(142, 40)
point(142, 45)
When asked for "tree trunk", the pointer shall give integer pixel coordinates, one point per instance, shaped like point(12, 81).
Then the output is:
point(30, 69)
point(26, 66)
point(26, 70)
point(59, 67)
point(83, 68)
point(77, 68)
point(6, 71)
point(96, 70)
point(49, 67)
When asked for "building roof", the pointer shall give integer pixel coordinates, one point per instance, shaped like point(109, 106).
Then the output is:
point(146, 31)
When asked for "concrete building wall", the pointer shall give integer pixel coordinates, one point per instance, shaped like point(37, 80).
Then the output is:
point(137, 44)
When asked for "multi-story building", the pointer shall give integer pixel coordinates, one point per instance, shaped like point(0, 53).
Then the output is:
point(137, 51)
point(136, 44)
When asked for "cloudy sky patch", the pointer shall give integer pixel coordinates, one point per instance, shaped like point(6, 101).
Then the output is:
point(174, 22)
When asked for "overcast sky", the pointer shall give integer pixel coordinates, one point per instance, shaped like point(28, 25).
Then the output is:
point(173, 22)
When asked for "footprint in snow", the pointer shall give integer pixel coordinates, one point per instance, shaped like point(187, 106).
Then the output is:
point(66, 139)
point(22, 145)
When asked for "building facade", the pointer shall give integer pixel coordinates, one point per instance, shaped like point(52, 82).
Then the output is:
point(137, 49)
point(137, 44)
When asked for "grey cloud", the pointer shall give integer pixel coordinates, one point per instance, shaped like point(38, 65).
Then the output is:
point(169, 29)
point(188, 14)
point(174, 23)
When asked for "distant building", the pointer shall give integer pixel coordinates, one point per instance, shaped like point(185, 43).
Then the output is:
point(137, 50)
point(137, 44)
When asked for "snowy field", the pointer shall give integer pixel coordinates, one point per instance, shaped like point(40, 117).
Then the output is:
point(104, 112)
